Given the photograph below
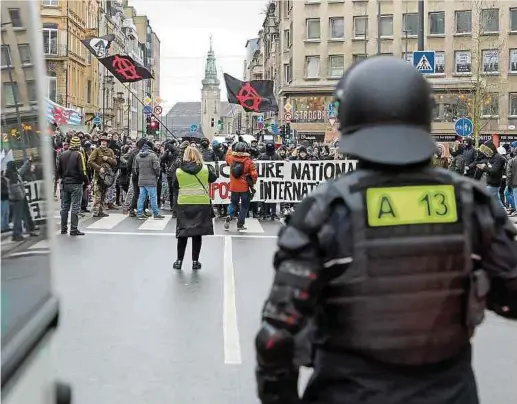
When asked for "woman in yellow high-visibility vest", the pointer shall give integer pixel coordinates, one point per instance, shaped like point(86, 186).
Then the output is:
point(194, 207)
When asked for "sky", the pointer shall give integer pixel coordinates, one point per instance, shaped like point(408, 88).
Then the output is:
point(184, 28)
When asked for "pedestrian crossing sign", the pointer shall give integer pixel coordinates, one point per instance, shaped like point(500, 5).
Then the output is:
point(424, 61)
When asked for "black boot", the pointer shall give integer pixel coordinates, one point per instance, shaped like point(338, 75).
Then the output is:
point(196, 265)
point(177, 265)
point(76, 232)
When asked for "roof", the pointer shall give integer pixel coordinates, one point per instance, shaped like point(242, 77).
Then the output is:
point(184, 114)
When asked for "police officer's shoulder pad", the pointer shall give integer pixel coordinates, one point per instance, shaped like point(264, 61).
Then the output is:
point(310, 215)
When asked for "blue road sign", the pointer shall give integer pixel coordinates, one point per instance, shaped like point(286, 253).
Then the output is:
point(97, 120)
point(331, 109)
point(193, 128)
point(464, 127)
point(148, 110)
point(424, 61)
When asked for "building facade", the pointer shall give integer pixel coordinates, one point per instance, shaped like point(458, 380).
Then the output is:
point(72, 73)
point(210, 97)
point(19, 95)
point(476, 57)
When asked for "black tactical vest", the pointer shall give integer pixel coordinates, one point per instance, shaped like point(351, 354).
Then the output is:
point(404, 298)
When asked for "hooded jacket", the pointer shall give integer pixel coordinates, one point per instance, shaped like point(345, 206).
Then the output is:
point(495, 166)
point(147, 165)
point(270, 153)
point(240, 184)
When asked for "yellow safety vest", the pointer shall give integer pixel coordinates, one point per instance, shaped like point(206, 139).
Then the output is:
point(191, 192)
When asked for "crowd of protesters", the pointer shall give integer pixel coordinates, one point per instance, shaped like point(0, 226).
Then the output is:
point(495, 166)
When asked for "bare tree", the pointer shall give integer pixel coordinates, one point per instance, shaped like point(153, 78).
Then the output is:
point(479, 101)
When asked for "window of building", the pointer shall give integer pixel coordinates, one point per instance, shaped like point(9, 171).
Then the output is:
point(437, 23)
point(439, 62)
point(408, 56)
point(312, 67)
point(490, 105)
point(513, 19)
point(10, 93)
point(410, 24)
point(313, 29)
point(463, 21)
point(386, 25)
point(6, 56)
point(287, 39)
point(490, 20)
point(513, 104)
point(462, 62)
point(490, 61)
point(337, 27)
point(16, 19)
point(32, 93)
point(361, 27)
point(513, 61)
point(50, 41)
point(89, 91)
point(287, 73)
point(336, 65)
point(50, 3)
point(359, 57)
point(52, 86)
point(25, 53)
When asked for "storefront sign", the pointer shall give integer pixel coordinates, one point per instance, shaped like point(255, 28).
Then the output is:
point(311, 109)
point(507, 138)
point(311, 136)
point(453, 138)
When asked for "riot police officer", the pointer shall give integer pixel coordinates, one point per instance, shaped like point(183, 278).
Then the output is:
point(394, 263)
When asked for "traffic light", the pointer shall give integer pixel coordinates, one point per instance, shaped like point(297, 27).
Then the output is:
point(288, 131)
point(148, 125)
point(212, 122)
point(220, 124)
point(282, 131)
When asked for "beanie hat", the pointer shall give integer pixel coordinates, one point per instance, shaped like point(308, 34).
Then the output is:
point(75, 142)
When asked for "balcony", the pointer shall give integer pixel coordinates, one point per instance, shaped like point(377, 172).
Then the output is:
point(52, 51)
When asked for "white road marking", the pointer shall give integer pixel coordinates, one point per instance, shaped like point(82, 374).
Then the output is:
point(134, 233)
point(40, 245)
point(108, 222)
point(155, 224)
point(253, 226)
point(232, 346)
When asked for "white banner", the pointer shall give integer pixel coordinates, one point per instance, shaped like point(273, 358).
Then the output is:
point(282, 181)
point(34, 190)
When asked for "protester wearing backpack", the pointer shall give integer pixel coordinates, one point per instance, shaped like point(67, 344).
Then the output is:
point(243, 177)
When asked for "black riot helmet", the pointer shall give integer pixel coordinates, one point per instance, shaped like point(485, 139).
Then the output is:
point(385, 112)
point(204, 142)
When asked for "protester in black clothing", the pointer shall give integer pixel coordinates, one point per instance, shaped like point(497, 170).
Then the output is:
point(71, 170)
point(269, 209)
point(207, 153)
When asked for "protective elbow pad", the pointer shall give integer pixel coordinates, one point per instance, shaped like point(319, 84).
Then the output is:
point(274, 346)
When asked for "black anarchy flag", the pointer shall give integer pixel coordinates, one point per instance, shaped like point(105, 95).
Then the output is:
point(125, 69)
point(99, 46)
point(252, 96)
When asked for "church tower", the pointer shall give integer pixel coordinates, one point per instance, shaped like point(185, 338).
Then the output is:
point(210, 97)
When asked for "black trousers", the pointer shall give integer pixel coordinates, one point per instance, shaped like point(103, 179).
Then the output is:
point(159, 190)
point(196, 247)
point(71, 198)
point(173, 194)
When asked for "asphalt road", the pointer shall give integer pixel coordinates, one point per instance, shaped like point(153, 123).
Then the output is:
point(135, 331)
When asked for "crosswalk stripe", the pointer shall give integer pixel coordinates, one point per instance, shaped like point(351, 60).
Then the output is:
point(108, 222)
point(253, 226)
point(43, 244)
point(155, 224)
